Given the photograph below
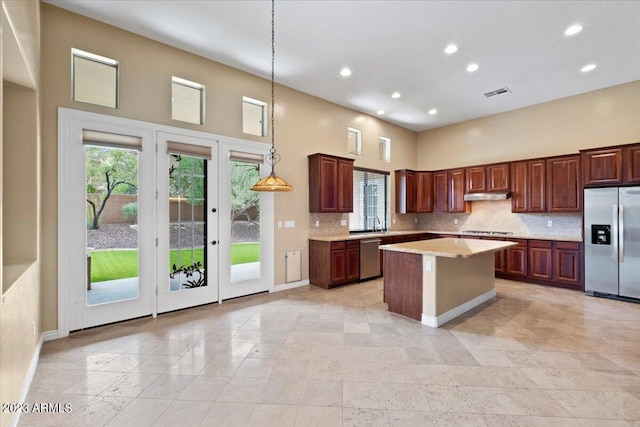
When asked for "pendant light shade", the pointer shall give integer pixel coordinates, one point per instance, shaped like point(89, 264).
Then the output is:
point(272, 182)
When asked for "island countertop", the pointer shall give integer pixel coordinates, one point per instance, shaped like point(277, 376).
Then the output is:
point(449, 247)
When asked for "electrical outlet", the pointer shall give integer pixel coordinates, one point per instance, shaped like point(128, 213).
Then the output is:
point(415, 220)
point(279, 224)
point(317, 223)
point(549, 223)
point(394, 221)
point(455, 221)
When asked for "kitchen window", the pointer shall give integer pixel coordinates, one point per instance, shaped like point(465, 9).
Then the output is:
point(370, 200)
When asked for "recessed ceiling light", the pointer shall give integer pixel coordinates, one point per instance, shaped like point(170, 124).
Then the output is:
point(574, 29)
point(433, 111)
point(345, 72)
point(472, 67)
point(452, 48)
point(396, 95)
point(587, 68)
point(380, 112)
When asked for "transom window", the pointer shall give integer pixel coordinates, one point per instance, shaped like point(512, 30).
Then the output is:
point(187, 101)
point(354, 142)
point(370, 201)
point(254, 117)
point(95, 78)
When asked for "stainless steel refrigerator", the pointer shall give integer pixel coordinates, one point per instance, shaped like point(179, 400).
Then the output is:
point(612, 241)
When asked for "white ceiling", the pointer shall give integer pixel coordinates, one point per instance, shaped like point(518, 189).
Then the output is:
point(398, 46)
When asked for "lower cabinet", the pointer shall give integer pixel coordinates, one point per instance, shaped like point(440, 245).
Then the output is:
point(334, 263)
point(546, 262)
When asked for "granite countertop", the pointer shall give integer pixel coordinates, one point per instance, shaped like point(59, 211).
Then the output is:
point(360, 236)
point(449, 247)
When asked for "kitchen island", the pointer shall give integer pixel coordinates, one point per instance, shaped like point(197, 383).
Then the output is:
point(436, 280)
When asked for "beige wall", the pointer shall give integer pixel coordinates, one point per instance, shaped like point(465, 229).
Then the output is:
point(304, 124)
point(595, 119)
point(19, 143)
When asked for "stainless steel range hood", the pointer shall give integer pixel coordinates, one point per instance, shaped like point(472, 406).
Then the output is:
point(472, 197)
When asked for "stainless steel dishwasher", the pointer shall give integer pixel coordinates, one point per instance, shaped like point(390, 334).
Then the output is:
point(369, 258)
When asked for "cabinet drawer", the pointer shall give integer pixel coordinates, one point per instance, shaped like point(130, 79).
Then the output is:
point(353, 243)
point(338, 245)
point(540, 244)
point(568, 245)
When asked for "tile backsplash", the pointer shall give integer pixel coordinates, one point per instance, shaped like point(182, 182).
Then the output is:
point(485, 215)
point(497, 216)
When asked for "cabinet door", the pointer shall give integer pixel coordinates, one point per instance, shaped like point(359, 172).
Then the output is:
point(456, 191)
point(500, 260)
point(424, 190)
point(323, 184)
point(338, 266)
point(540, 259)
point(563, 185)
point(353, 261)
point(519, 186)
point(498, 178)
point(602, 167)
point(476, 179)
point(632, 164)
point(567, 262)
point(440, 192)
point(517, 259)
point(536, 195)
point(345, 185)
point(406, 197)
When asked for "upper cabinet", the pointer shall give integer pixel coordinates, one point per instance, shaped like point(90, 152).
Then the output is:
point(424, 196)
point(440, 191)
point(330, 184)
point(528, 186)
point(406, 191)
point(456, 184)
point(491, 178)
point(564, 192)
point(602, 167)
point(611, 166)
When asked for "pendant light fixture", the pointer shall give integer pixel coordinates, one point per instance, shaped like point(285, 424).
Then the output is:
point(272, 182)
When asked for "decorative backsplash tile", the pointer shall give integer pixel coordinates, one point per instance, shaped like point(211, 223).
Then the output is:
point(328, 224)
point(497, 216)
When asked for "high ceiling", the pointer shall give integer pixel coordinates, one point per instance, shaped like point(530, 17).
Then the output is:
point(398, 46)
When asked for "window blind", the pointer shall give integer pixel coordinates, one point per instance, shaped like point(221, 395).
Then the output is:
point(114, 140)
point(370, 201)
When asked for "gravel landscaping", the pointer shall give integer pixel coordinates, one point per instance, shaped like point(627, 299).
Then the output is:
point(122, 236)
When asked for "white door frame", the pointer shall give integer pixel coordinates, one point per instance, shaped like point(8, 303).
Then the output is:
point(70, 125)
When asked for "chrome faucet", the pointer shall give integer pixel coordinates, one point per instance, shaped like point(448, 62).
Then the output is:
point(379, 225)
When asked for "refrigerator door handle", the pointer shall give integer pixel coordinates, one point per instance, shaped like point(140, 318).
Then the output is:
point(614, 239)
point(621, 237)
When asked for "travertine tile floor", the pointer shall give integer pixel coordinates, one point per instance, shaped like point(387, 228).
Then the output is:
point(534, 356)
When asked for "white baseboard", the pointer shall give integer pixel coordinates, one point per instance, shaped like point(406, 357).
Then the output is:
point(27, 381)
point(292, 285)
point(50, 335)
point(434, 322)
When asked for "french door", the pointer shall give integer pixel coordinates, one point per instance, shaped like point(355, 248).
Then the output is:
point(187, 221)
point(106, 222)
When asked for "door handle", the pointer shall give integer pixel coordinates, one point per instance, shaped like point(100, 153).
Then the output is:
point(214, 242)
point(214, 210)
point(621, 237)
point(614, 239)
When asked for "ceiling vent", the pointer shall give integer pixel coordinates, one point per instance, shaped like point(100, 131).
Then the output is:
point(497, 92)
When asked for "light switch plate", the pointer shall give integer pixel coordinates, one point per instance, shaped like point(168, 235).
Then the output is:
point(549, 223)
point(279, 224)
point(289, 224)
point(343, 222)
point(427, 266)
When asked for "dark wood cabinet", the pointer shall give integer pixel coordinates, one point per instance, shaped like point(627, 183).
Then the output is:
point(528, 186)
point(334, 263)
point(498, 178)
point(564, 192)
point(476, 179)
point(330, 184)
point(456, 184)
point(566, 263)
point(406, 192)
point(602, 167)
point(440, 192)
point(540, 252)
point(516, 257)
point(631, 156)
point(424, 188)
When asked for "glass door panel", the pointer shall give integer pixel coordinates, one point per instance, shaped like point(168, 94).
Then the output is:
point(187, 227)
point(112, 254)
point(245, 222)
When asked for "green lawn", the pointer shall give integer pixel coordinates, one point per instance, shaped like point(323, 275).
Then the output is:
point(119, 264)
